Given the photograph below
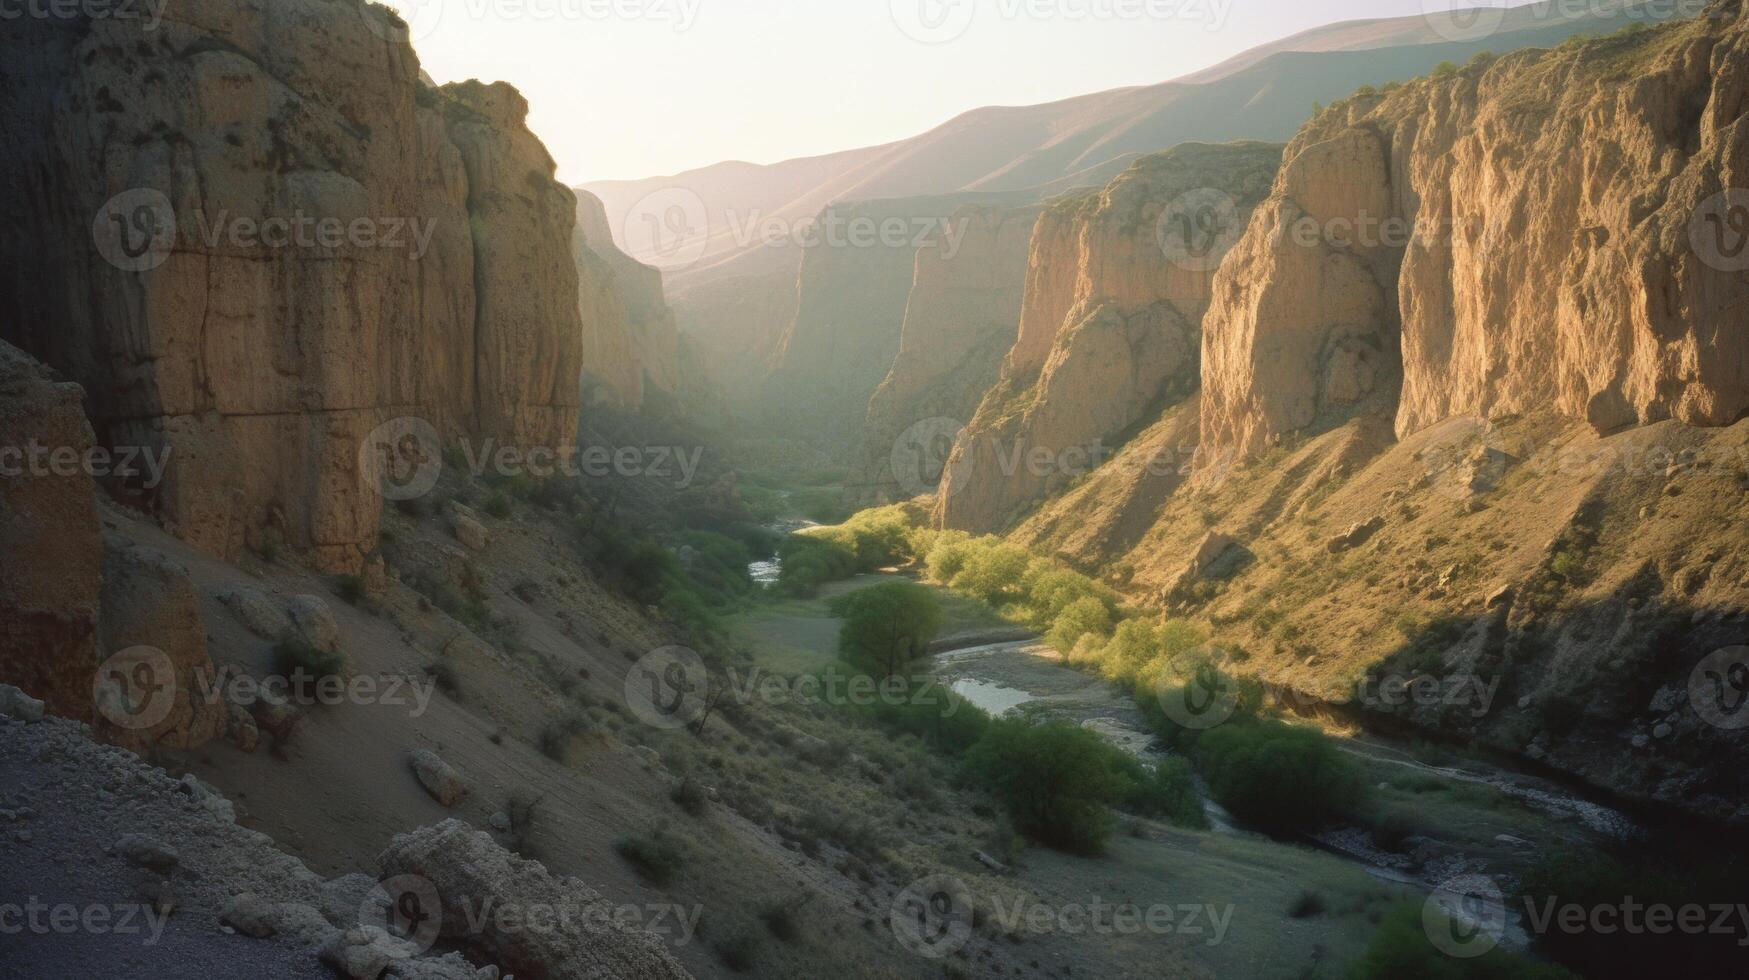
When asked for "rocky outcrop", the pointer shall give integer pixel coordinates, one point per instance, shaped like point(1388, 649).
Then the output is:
point(629, 338)
point(855, 277)
point(154, 638)
point(467, 871)
point(253, 235)
point(1606, 165)
point(50, 580)
point(959, 323)
point(1109, 328)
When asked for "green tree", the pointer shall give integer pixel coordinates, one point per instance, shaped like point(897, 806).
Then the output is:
point(1055, 778)
point(887, 628)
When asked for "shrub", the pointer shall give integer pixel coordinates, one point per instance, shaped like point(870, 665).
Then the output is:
point(690, 796)
point(993, 572)
point(1306, 905)
point(940, 718)
point(1401, 948)
point(1392, 828)
point(1055, 778)
point(658, 856)
point(1278, 777)
point(1083, 617)
point(520, 809)
point(1444, 68)
point(445, 677)
point(350, 589)
point(781, 920)
point(1169, 792)
point(556, 735)
point(887, 628)
point(739, 950)
point(303, 665)
point(497, 505)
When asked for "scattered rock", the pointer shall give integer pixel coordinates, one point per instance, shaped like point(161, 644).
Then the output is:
point(341, 898)
point(443, 781)
point(1356, 535)
point(1501, 596)
point(450, 967)
point(1661, 730)
point(1641, 741)
point(363, 953)
point(499, 821)
point(258, 918)
point(17, 704)
point(471, 533)
point(467, 869)
point(314, 622)
point(146, 852)
point(256, 612)
point(241, 729)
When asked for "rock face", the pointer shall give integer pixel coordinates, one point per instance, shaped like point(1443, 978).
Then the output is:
point(629, 337)
point(959, 322)
point(283, 238)
point(1605, 165)
point(1109, 330)
point(149, 602)
point(50, 580)
point(468, 871)
point(851, 290)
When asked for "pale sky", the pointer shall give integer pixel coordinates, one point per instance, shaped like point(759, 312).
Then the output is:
point(642, 88)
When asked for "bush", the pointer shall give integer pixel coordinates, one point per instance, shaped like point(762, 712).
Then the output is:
point(1083, 617)
point(1169, 792)
point(1392, 828)
point(445, 677)
point(937, 716)
point(303, 665)
point(556, 735)
point(350, 589)
point(658, 856)
point(1278, 777)
point(497, 505)
point(1306, 905)
point(738, 951)
point(887, 628)
point(690, 796)
point(1401, 948)
point(781, 920)
point(520, 809)
point(1055, 778)
point(993, 572)
point(1444, 68)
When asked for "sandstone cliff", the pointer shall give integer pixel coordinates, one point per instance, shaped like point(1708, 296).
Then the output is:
point(629, 337)
point(1109, 328)
point(1547, 230)
point(253, 235)
point(959, 323)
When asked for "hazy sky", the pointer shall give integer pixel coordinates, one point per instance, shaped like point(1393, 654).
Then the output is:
point(640, 88)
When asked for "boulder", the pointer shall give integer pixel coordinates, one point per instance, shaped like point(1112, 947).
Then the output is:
point(443, 781)
point(314, 622)
point(466, 869)
point(146, 852)
point(1357, 534)
point(149, 604)
point(257, 613)
point(363, 953)
point(469, 532)
point(17, 704)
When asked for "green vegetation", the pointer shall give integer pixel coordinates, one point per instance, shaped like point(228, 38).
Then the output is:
point(1401, 948)
point(1055, 778)
point(870, 540)
point(658, 856)
point(1277, 776)
point(1444, 68)
point(304, 665)
point(887, 628)
point(556, 735)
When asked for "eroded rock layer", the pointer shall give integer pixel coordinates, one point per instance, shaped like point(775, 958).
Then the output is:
point(1550, 230)
point(1109, 331)
point(253, 234)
